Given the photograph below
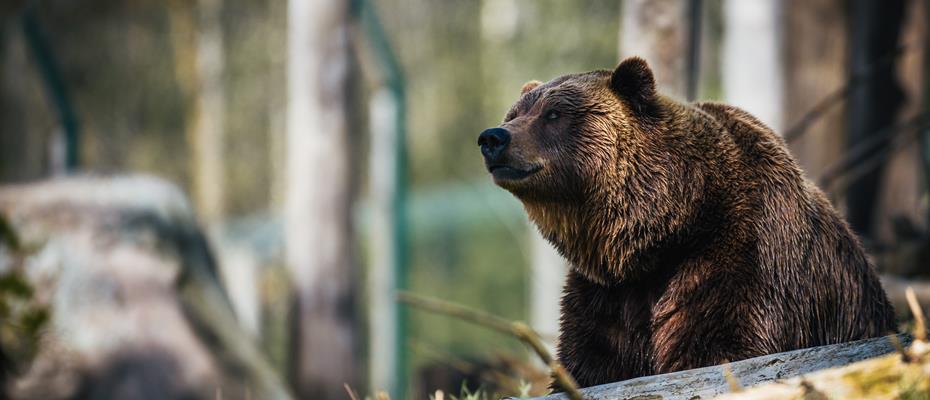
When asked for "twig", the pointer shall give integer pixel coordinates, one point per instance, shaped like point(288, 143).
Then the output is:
point(867, 166)
point(565, 380)
point(734, 385)
point(811, 392)
point(452, 361)
point(516, 328)
point(816, 112)
point(896, 343)
point(837, 96)
point(837, 179)
point(864, 151)
point(920, 327)
point(352, 394)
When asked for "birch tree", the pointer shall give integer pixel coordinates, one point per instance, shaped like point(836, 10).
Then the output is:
point(752, 68)
point(319, 199)
point(657, 30)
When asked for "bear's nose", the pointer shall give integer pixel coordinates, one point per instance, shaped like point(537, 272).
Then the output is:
point(493, 141)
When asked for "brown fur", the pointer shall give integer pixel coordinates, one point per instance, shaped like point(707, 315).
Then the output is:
point(693, 235)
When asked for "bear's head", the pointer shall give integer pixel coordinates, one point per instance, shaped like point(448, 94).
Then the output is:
point(598, 161)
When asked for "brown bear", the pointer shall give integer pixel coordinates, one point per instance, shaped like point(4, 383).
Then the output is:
point(694, 237)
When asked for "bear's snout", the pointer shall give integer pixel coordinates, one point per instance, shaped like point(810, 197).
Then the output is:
point(493, 142)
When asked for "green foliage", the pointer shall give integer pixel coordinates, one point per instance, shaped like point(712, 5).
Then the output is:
point(465, 394)
point(14, 286)
point(524, 389)
point(7, 236)
point(486, 271)
point(913, 392)
point(465, 69)
point(22, 317)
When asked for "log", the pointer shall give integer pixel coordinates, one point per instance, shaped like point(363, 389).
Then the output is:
point(895, 376)
point(712, 381)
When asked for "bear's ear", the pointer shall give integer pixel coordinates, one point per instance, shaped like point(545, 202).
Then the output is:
point(633, 82)
point(529, 86)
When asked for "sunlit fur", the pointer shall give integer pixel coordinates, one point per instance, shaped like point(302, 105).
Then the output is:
point(693, 236)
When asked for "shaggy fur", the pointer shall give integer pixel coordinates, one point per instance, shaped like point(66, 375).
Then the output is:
point(693, 235)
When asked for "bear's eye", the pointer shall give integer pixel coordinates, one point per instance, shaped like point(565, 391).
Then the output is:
point(552, 115)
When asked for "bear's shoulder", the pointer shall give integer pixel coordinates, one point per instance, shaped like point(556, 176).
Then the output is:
point(737, 120)
point(753, 137)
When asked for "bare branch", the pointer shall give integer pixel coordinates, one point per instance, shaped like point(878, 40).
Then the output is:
point(518, 329)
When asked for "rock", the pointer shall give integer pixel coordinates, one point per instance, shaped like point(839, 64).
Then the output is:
point(137, 310)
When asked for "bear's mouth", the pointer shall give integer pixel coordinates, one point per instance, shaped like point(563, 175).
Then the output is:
point(509, 173)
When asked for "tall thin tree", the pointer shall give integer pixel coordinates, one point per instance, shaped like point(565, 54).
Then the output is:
point(875, 102)
point(814, 63)
point(197, 40)
point(657, 30)
point(752, 75)
point(319, 199)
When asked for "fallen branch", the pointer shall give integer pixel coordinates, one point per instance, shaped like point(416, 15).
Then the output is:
point(870, 153)
point(518, 329)
point(842, 93)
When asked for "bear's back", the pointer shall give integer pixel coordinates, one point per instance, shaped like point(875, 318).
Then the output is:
point(821, 278)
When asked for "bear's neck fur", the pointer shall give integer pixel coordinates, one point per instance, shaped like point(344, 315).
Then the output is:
point(620, 233)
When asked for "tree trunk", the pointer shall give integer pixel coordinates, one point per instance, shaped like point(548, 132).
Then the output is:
point(815, 56)
point(197, 38)
point(208, 143)
point(319, 199)
point(657, 31)
point(546, 279)
point(382, 303)
point(752, 74)
point(903, 182)
point(24, 146)
point(874, 103)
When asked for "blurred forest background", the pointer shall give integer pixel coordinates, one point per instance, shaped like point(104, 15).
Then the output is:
point(328, 148)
